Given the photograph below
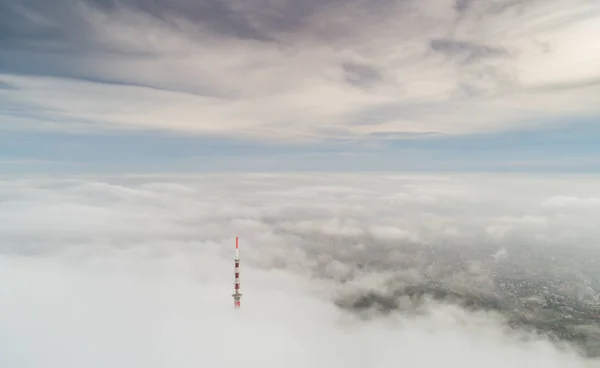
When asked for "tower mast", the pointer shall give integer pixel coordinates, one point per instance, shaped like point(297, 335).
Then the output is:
point(236, 295)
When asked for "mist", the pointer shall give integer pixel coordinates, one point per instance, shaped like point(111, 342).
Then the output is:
point(337, 270)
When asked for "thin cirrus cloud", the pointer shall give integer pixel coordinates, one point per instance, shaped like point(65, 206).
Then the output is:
point(314, 70)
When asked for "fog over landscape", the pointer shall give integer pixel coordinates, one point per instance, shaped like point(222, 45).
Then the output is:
point(337, 270)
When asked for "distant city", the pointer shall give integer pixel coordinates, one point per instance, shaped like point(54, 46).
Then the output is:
point(553, 293)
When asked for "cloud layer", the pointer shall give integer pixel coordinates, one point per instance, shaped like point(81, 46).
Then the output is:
point(322, 69)
point(136, 270)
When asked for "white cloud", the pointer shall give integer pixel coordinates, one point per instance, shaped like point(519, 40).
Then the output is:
point(136, 270)
point(567, 201)
point(391, 232)
point(527, 65)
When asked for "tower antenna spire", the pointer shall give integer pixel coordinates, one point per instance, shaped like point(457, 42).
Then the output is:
point(236, 295)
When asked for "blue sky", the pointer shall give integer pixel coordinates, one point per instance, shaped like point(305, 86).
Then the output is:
point(570, 148)
point(215, 85)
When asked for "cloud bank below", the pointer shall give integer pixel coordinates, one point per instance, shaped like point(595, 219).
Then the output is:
point(137, 270)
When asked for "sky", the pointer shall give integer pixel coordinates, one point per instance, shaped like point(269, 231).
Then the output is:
point(137, 270)
point(231, 85)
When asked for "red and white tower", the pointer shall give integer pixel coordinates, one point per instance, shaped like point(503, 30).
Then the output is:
point(236, 295)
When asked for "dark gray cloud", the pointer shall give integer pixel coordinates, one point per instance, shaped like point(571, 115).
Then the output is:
point(461, 6)
point(37, 24)
point(362, 75)
point(480, 69)
point(35, 33)
point(565, 86)
point(464, 51)
point(7, 86)
point(64, 25)
point(43, 26)
point(216, 15)
point(499, 7)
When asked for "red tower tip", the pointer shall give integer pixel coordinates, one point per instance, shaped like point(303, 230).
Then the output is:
point(236, 242)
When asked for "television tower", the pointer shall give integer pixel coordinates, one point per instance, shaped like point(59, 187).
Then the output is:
point(236, 295)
